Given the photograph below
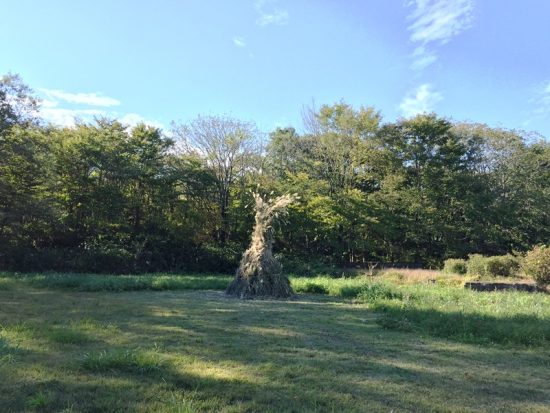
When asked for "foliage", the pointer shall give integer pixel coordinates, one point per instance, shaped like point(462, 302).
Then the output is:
point(476, 265)
point(106, 197)
point(495, 266)
point(502, 266)
point(455, 266)
point(228, 148)
point(537, 264)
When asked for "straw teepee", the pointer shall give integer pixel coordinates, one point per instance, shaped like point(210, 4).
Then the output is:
point(259, 273)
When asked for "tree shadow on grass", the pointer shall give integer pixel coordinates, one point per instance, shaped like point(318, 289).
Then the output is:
point(300, 355)
point(340, 350)
point(470, 328)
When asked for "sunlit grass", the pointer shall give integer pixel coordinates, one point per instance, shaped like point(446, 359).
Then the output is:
point(134, 360)
point(194, 351)
point(441, 307)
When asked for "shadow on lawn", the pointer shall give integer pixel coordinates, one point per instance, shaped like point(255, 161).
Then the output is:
point(344, 354)
point(523, 330)
point(309, 354)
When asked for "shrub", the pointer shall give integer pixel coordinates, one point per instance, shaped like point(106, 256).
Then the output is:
point(476, 265)
point(502, 266)
point(455, 266)
point(495, 266)
point(537, 264)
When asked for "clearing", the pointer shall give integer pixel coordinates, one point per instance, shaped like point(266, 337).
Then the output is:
point(186, 351)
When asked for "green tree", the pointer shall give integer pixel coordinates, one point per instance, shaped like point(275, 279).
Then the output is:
point(342, 137)
point(229, 148)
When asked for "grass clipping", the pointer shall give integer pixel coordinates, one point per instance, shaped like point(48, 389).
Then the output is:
point(259, 273)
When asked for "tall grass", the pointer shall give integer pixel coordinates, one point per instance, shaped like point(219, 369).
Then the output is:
point(442, 308)
point(509, 317)
point(94, 282)
point(121, 360)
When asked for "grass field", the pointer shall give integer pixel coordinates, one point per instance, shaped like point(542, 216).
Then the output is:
point(164, 344)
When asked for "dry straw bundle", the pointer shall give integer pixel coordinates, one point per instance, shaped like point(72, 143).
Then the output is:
point(259, 273)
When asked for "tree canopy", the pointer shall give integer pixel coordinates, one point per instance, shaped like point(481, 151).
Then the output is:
point(104, 196)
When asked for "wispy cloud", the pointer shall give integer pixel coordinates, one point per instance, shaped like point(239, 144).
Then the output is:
point(422, 99)
point(91, 99)
point(540, 103)
point(270, 13)
point(239, 41)
point(542, 100)
point(422, 58)
point(436, 22)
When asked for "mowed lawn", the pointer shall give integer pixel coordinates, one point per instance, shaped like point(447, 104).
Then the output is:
point(186, 351)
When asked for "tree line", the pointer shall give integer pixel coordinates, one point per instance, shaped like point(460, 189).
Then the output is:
point(106, 197)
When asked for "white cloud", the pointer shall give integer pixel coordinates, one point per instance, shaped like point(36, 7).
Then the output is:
point(436, 22)
point(422, 100)
point(91, 99)
point(270, 14)
point(239, 41)
point(69, 117)
point(132, 119)
point(46, 103)
point(53, 110)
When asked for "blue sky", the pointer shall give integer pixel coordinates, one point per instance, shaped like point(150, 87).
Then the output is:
point(263, 60)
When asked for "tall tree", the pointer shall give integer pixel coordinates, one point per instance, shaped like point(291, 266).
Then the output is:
point(18, 106)
point(341, 135)
point(229, 148)
point(438, 185)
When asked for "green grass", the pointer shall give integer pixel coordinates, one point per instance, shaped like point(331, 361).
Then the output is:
point(94, 282)
point(422, 302)
point(65, 335)
point(121, 360)
point(39, 400)
point(444, 309)
point(504, 318)
point(194, 351)
point(336, 287)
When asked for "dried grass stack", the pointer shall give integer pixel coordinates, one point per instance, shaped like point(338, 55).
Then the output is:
point(259, 273)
